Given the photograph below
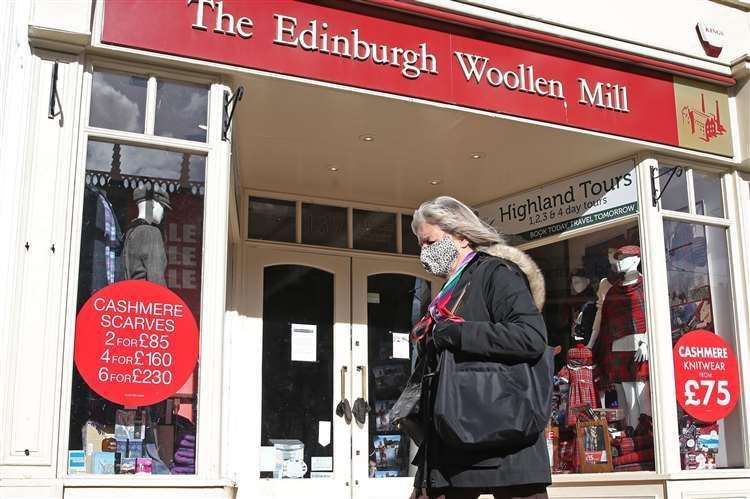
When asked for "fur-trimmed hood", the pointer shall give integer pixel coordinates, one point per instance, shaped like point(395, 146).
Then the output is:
point(527, 266)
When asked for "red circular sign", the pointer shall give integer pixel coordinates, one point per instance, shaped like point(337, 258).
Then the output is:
point(136, 343)
point(706, 375)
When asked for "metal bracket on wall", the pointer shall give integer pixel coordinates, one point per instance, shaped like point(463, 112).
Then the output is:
point(657, 192)
point(229, 113)
point(54, 97)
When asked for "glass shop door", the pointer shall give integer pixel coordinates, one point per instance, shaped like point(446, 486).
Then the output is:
point(389, 295)
point(303, 302)
point(335, 342)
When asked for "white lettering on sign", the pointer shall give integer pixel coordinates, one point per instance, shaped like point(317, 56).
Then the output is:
point(475, 67)
point(604, 95)
point(316, 38)
point(223, 19)
point(318, 35)
point(710, 352)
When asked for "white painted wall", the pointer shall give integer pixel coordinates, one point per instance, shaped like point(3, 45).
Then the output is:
point(665, 24)
point(68, 17)
point(662, 28)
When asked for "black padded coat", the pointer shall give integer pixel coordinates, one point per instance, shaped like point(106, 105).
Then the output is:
point(502, 320)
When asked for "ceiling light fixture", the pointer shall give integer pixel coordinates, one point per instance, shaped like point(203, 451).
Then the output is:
point(477, 155)
point(435, 182)
point(367, 138)
point(333, 168)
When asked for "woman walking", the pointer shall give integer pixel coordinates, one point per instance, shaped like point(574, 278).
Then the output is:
point(487, 311)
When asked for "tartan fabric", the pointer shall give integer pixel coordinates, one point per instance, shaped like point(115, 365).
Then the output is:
point(579, 375)
point(568, 457)
point(622, 315)
point(647, 466)
point(630, 444)
point(639, 456)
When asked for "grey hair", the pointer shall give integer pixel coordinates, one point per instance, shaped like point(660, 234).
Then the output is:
point(455, 218)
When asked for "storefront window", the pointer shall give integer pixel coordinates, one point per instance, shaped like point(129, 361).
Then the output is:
point(118, 101)
point(324, 225)
point(700, 297)
point(673, 184)
point(272, 219)
point(134, 397)
point(596, 319)
point(374, 231)
point(181, 110)
point(708, 198)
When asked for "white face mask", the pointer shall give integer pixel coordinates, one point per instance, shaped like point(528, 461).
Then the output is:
point(627, 264)
point(438, 258)
point(578, 284)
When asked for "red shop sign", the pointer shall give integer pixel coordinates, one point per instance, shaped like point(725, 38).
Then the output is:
point(351, 44)
point(706, 375)
point(136, 343)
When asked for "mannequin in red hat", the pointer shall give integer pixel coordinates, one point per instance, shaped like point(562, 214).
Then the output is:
point(621, 345)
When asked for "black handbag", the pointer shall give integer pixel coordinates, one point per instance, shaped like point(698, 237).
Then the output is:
point(405, 413)
point(482, 405)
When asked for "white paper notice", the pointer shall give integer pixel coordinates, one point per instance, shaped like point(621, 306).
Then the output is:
point(267, 457)
point(324, 433)
point(321, 463)
point(304, 342)
point(400, 345)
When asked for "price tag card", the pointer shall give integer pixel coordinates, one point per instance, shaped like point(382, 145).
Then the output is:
point(136, 343)
point(706, 375)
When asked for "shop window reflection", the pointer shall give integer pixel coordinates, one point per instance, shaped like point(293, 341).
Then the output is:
point(700, 297)
point(708, 194)
point(118, 101)
point(595, 316)
point(395, 303)
point(181, 110)
point(375, 231)
point(142, 220)
point(674, 196)
point(298, 347)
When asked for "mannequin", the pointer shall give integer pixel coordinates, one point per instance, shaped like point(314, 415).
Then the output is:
point(621, 345)
point(578, 374)
point(143, 249)
point(585, 309)
point(601, 293)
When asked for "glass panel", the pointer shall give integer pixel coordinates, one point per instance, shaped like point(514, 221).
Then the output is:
point(675, 195)
point(375, 231)
point(409, 243)
point(700, 296)
point(272, 219)
point(297, 381)
point(595, 314)
point(118, 101)
point(324, 225)
point(181, 110)
point(708, 198)
point(142, 221)
point(395, 302)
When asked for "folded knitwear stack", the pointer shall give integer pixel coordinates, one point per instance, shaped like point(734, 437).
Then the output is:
point(635, 452)
point(184, 456)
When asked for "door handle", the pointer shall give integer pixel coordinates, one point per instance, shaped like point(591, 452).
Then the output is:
point(344, 409)
point(361, 407)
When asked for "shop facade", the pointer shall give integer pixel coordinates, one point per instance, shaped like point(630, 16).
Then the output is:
point(212, 274)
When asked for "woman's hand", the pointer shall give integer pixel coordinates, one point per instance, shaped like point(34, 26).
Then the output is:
point(447, 335)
